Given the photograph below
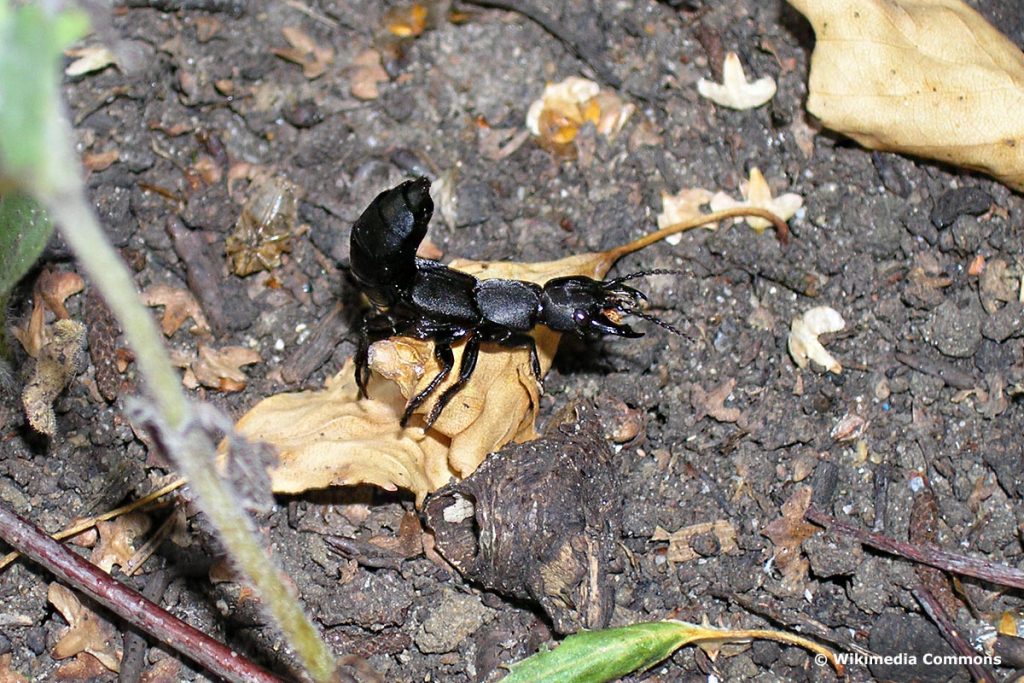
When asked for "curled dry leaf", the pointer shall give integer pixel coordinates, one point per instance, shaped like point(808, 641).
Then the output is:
point(555, 119)
point(735, 91)
point(221, 369)
point(87, 631)
point(786, 534)
point(682, 206)
point(179, 305)
point(803, 337)
point(332, 437)
point(932, 79)
point(117, 539)
point(305, 52)
point(88, 60)
point(366, 72)
point(61, 357)
point(756, 193)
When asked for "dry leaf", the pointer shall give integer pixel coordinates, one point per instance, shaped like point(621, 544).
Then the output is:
point(735, 91)
point(555, 119)
point(367, 71)
point(61, 357)
point(679, 549)
point(55, 287)
point(712, 403)
point(932, 79)
point(100, 161)
point(84, 667)
point(786, 534)
point(89, 60)
point(221, 369)
point(179, 305)
point(117, 540)
point(332, 437)
point(166, 670)
point(803, 337)
point(87, 631)
point(682, 206)
point(7, 674)
point(757, 193)
point(304, 51)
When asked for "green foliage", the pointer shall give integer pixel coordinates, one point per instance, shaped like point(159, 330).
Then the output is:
point(24, 231)
point(596, 656)
point(31, 44)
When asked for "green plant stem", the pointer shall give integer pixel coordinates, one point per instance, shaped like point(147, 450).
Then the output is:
point(83, 234)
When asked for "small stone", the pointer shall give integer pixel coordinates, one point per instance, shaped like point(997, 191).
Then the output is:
point(1004, 323)
point(954, 329)
point(455, 618)
point(910, 637)
point(963, 201)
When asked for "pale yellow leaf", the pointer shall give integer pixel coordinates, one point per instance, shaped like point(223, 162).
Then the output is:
point(757, 194)
point(932, 79)
point(735, 91)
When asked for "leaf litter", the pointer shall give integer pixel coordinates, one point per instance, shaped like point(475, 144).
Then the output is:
point(331, 437)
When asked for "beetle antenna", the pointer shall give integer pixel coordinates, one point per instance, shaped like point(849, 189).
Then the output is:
point(657, 321)
point(645, 273)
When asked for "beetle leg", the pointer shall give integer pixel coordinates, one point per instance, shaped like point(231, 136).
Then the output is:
point(444, 356)
point(524, 341)
point(373, 329)
point(466, 367)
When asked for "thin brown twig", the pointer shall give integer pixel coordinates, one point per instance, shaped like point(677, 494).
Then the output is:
point(89, 522)
point(926, 554)
point(128, 604)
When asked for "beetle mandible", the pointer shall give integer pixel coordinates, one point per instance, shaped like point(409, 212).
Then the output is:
point(424, 299)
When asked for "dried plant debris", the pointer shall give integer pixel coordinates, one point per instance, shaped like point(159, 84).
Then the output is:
point(735, 91)
point(305, 52)
point(786, 534)
point(7, 674)
point(117, 540)
point(264, 228)
point(61, 357)
point(756, 193)
point(930, 79)
point(539, 521)
point(680, 548)
point(88, 60)
point(221, 369)
point(682, 206)
point(803, 337)
point(556, 118)
point(179, 305)
point(364, 75)
point(86, 632)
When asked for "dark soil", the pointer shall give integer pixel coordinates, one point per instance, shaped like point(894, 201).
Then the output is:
point(881, 240)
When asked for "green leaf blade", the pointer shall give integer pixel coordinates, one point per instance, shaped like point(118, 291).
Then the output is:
point(24, 231)
point(597, 656)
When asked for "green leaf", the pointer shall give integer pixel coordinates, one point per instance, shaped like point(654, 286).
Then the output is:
point(24, 231)
point(32, 42)
point(595, 656)
point(598, 656)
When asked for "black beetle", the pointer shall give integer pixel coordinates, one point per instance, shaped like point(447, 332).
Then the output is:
point(424, 299)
